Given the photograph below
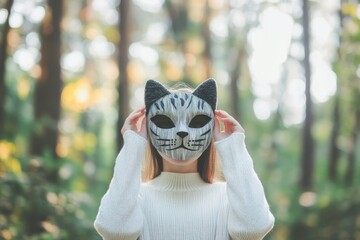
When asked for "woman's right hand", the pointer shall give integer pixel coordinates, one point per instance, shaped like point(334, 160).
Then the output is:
point(230, 125)
point(131, 123)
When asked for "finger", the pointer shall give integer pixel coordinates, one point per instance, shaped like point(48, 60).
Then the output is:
point(230, 123)
point(142, 129)
point(225, 116)
point(143, 123)
point(217, 125)
point(222, 113)
point(142, 109)
point(142, 116)
point(134, 116)
point(137, 111)
point(131, 121)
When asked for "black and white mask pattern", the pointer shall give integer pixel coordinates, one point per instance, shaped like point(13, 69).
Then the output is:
point(180, 124)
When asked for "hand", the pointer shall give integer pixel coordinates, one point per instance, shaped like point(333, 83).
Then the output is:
point(131, 123)
point(230, 125)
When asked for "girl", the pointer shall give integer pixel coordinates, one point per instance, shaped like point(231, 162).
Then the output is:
point(182, 201)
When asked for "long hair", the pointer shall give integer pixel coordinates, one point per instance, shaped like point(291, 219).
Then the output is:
point(206, 164)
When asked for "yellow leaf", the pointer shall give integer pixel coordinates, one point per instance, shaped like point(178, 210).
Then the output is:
point(23, 88)
point(14, 166)
point(350, 9)
point(78, 96)
point(90, 140)
point(79, 185)
point(6, 149)
point(62, 148)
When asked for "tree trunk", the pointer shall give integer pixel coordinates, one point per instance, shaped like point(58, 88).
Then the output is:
point(3, 57)
point(235, 71)
point(179, 19)
point(123, 59)
point(307, 159)
point(277, 122)
point(207, 57)
point(334, 152)
point(48, 88)
point(350, 171)
point(178, 15)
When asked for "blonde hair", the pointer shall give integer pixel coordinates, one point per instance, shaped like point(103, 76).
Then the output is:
point(206, 165)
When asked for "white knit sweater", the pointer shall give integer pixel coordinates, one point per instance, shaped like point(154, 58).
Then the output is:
point(177, 206)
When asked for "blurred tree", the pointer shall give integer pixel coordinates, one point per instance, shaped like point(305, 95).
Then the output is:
point(48, 87)
point(179, 18)
point(123, 60)
point(347, 98)
point(353, 57)
point(3, 57)
point(307, 158)
point(206, 34)
point(234, 72)
point(178, 14)
point(334, 152)
point(237, 57)
point(350, 171)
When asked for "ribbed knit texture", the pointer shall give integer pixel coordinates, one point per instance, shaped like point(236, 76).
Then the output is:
point(177, 206)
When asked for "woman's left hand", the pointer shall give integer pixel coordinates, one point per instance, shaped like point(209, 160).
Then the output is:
point(230, 125)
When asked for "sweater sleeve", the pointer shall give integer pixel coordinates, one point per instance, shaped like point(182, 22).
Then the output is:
point(119, 216)
point(249, 215)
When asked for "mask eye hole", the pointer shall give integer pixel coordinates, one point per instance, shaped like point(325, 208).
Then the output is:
point(162, 121)
point(199, 121)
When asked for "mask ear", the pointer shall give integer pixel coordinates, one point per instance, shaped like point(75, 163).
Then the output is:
point(207, 91)
point(153, 92)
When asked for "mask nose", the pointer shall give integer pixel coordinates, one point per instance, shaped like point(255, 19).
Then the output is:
point(182, 134)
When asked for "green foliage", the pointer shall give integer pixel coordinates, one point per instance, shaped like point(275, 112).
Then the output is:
point(33, 207)
point(334, 216)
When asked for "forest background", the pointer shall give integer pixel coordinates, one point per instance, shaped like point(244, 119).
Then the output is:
point(71, 71)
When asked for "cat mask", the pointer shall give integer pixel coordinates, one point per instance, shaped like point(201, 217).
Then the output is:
point(180, 124)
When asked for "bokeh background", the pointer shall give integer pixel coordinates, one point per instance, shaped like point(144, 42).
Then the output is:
point(71, 71)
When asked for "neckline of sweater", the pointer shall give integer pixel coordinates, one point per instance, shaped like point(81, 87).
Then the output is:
point(169, 181)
